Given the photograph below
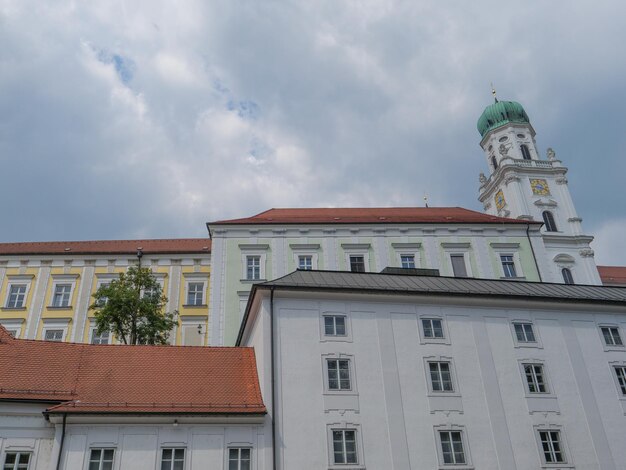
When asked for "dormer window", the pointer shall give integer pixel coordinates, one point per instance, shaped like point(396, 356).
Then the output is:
point(525, 152)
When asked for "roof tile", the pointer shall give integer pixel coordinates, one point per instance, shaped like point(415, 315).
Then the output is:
point(155, 246)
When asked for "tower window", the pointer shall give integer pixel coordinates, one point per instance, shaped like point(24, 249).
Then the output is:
point(525, 152)
point(567, 276)
point(494, 163)
point(548, 219)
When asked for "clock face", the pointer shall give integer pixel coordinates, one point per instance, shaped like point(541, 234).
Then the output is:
point(500, 201)
point(540, 187)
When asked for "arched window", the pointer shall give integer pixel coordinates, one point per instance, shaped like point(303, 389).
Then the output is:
point(525, 152)
point(548, 219)
point(567, 276)
point(494, 162)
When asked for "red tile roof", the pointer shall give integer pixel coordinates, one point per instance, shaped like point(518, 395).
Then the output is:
point(613, 275)
point(372, 215)
point(85, 378)
point(96, 247)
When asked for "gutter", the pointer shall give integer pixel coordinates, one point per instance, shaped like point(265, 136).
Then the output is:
point(62, 440)
point(533, 251)
point(274, 446)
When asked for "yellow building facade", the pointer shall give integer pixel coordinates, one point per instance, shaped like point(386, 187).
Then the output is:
point(46, 288)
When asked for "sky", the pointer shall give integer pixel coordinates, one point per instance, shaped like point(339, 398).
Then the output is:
point(146, 119)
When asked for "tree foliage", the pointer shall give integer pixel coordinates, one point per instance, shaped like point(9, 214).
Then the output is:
point(132, 307)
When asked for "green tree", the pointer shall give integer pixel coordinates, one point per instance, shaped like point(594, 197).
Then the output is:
point(133, 308)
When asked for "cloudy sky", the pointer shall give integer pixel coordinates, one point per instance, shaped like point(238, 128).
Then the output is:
point(129, 119)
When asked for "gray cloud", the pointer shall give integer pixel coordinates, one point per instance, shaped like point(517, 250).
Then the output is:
point(133, 119)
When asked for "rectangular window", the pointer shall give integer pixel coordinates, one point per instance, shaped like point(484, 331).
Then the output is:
point(440, 377)
point(357, 263)
point(305, 262)
point(195, 293)
point(338, 374)
point(551, 446)
point(524, 333)
point(53, 335)
point(508, 265)
point(253, 267)
point(452, 447)
point(61, 296)
point(334, 325)
point(458, 265)
point(344, 446)
point(101, 459)
point(535, 378)
point(172, 459)
point(102, 300)
point(102, 338)
point(239, 458)
point(433, 328)
point(17, 296)
point(620, 373)
point(407, 261)
point(16, 461)
point(611, 336)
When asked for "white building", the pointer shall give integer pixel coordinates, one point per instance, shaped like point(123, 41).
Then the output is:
point(384, 371)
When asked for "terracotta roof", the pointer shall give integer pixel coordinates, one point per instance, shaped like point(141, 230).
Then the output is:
point(175, 245)
point(372, 215)
point(85, 378)
point(613, 275)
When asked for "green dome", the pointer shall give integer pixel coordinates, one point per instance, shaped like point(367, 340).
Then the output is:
point(501, 113)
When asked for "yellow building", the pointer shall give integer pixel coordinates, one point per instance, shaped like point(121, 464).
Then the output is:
point(46, 287)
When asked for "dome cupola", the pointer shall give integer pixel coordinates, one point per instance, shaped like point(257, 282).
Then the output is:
point(499, 114)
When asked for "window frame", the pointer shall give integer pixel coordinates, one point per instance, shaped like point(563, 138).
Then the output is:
point(305, 249)
point(621, 389)
point(562, 442)
point(305, 256)
point(351, 373)
point(431, 392)
point(201, 292)
point(101, 460)
point(51, 329)
point(358, 440)
point(172, 460)
point(408, 249)
point(56, 324)
point(508, 249)
point(549, 393)
point(463, 256)
point(549, 222)
point(24, 300)
point(508, 266)
point(450, 428)
point(567, 281)
point(334, 318)
point(525, 344)
point(92, 336)
point(239, 448)
point(347, 338)
point(363, 260)
point(412, 261)
point(65, 296)
point(525, 154)
point(357, 249)
point(18, 453)
point(248, 250)
point(62, 279)
point(427, 340)
point(611, 347)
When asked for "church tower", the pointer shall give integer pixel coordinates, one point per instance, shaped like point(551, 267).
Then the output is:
point(521, 185)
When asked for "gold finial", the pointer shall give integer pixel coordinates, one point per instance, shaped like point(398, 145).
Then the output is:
point(425, 200)
point(493, 92)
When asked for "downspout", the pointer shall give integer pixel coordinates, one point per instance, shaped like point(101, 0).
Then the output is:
point(274, 446)
point(533, 251)
point(62, 439)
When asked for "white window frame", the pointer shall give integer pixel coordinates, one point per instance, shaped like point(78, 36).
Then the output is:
point(62, 295)
point(611, 347)
point(526, 344)
point(259, 250)
point(102, 449)
point(357, 249)
point(92, 334)
point(463, 249)
point(408, 249)
point(305, 249)
point(562, 441)
point(335, 318)
point(104, 279)
point(426, 340)
point(172, 461)
point(508, 249)
point(455, 392)
point(347, 338)
point(202, 292)
point(464, 442)
point(351, 370)
point(344, 426)
point(18, 280)
point(614, 366)
point(546, 378)
point(357, 255)
point(61, 279)
point(55, 324)
point(307, 266)
point(239, 447)
point(13, 325)
point(18, 453)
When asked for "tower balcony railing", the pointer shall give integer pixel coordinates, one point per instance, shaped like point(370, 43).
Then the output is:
point(535, 163)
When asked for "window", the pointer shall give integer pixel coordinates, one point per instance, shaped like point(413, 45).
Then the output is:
point(344, 446)
point(440, 377)
point(357, 263)
point(195, 293)
point(535, 378)
point(508, 266)
point(172, 459)
point(494, 163)
point(525, 152)
point(611, 336)
point(620, 374)
point(432, 327)
point(551, 446)
point(567, 276)
point(61, 297)
point(102, 338)
point(452, 451)
point(16, 461)
point(239, 458)
point(17, 296)
point(334, 325)
point(407, 261)
point(53, 335)
point(524, 333)
point(305, 262)
point(101, 459)
point(338, 374)
point(253, 267)
point(458, 265)
point(102, 300)
point(548, 220)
